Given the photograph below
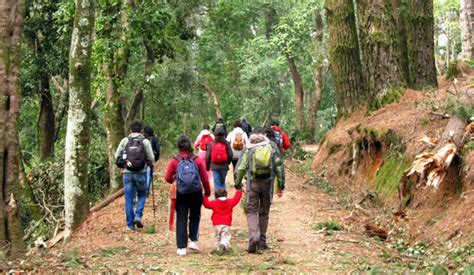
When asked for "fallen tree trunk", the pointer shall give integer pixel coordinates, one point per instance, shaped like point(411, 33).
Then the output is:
point(108, 200)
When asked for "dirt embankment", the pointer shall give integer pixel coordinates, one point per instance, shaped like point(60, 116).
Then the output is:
point(368, 154)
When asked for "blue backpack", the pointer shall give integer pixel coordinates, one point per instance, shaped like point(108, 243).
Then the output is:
point(187, 176)
point(278, 138)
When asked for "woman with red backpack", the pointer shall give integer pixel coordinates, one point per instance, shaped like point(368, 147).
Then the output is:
point(190, 175)
point(218, 157)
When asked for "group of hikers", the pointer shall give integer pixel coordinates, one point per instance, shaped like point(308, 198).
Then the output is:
point(255, 155)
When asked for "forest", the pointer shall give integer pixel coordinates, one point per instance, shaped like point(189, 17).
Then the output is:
point(376, 97)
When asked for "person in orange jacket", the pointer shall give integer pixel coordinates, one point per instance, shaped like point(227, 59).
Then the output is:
point(281, 136)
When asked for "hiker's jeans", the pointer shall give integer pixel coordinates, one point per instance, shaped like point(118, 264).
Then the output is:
point(223, 235)
point(134, 184)
point(149, 179)
point(187, 206)
point(219, 178)
point(258, 208)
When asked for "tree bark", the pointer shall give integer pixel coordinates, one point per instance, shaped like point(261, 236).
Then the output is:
point(11, 23)
point(114, 127)
point(299, 95)
point(467, 29)
point(344, 55)
point(381, 47)
point(317, 72)
point(76, 201)
point(420, 29)
point(46, 123)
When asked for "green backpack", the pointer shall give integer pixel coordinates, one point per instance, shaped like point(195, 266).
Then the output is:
point(261, 165)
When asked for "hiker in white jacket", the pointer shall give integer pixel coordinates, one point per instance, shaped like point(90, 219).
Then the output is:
point(238, 140)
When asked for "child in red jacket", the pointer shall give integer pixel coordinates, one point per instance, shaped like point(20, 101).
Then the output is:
point(222, 217)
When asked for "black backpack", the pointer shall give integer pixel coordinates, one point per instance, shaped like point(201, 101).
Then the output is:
point(136, 156)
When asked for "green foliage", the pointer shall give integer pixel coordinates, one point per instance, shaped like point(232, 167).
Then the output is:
point(328, 227)
point(453, 70)
point(150, 229)
point(393, 95)
point(425, 121)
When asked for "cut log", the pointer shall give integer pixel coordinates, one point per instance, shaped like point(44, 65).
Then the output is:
point(108, 200)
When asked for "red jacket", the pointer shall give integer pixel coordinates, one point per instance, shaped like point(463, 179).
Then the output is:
point(222, 209)
point(170, 175)
point(286, 140)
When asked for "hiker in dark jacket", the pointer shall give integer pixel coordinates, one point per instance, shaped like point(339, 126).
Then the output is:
point(155, 146)
point(135, 182)
point(218, 160)
point(245, 125)
point(220, 124)
point(188, 206)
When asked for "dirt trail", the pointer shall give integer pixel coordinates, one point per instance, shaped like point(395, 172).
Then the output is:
point(104, 244)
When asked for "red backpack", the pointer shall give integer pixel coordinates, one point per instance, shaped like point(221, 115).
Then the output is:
point(205, 140)
point(219, 153)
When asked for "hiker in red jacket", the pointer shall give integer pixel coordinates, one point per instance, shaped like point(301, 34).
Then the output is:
point(222, 217)
point(281, 136)
point(190, 175)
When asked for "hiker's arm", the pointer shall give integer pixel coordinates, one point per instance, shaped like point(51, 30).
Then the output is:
point(208, 157)
point(242, 169)
point(149, 152)
point(120, 148)
point(197, 141)
point(171, 171)
point(206, 202)
point(236, 198)
point(204, 178)
point(230, 153)
point(280, 171)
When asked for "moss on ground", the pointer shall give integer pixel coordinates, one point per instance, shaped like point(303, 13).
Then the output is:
point(389, 175)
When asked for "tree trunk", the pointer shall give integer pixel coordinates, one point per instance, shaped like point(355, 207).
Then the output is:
point(76, 201)
point(46, 123)
point(344, 55)
point(114, 127)
point(215, 100)
point(299, 95)
point(420, 29)
point(62, 105)
point(11, 22)
point(381, 48)
point(317, 72)
point(467, 29)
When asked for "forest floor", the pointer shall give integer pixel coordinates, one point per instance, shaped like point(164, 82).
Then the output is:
point(104, 244)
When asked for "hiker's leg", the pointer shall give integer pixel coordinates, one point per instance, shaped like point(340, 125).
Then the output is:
point(252, 211)
point(234, 163)
point(264, 210)
point(223, 174)
point(148, 180)
point(225, 236)
point(182, 212)
point(129, 193)
point(217, 175)
point(141, 182)
point(217, 234)
point(194, 215)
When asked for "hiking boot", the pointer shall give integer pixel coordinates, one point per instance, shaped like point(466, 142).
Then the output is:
point(181, 251)
point(138, 223)
point(130, 228)
point(252, 247)
point(262, 245)
point(193, 246)
point(221, 250)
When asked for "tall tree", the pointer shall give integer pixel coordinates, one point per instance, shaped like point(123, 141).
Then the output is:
point(381, 47)
point(299, 95)
point(344, 55)
point(11, 22)
point(76, 202)
point(467, 29)
point(318, 71)
point(420, 29)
